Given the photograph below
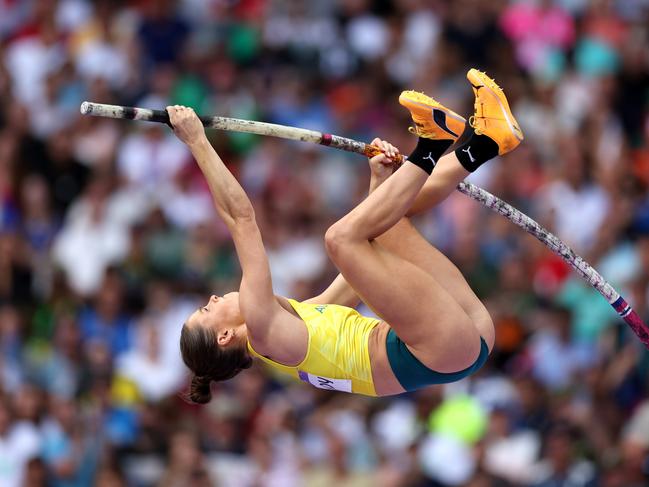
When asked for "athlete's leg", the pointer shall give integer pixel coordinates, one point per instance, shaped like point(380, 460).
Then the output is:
point(408, 298)
point(403, 294)
point(447, 175)
point(492, 116)
point(405, 241)
point(387, 204)
point(438, 128)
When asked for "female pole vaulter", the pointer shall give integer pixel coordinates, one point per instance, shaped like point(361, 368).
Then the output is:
point(432, 328)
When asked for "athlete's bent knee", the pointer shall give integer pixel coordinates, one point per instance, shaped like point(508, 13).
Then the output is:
point(337, 237)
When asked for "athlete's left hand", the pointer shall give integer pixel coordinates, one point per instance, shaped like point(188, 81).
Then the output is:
point(186, 124)
point(383, 165)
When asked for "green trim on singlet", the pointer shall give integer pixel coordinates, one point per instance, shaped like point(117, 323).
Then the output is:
point(412, 374)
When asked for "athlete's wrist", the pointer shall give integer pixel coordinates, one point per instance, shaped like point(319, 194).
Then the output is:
point(198, 143)
point(377, 180)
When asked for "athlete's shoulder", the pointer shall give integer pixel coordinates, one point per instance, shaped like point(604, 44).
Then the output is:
point(286, 337)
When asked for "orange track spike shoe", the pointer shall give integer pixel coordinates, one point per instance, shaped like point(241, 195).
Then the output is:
point(492, 116)
point(432, 119)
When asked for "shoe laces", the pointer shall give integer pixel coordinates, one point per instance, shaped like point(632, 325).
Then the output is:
point(420, 132)
point(473, 125)
point(472, 118)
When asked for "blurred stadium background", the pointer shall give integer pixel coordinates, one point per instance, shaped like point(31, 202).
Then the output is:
point(108, 239)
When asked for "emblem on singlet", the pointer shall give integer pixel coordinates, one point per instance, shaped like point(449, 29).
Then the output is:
point(321, 308)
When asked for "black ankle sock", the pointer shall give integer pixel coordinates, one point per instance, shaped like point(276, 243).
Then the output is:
point(428, 152)
point(475, 150)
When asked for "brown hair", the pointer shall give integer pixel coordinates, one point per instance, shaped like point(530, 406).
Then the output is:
point(209, 361)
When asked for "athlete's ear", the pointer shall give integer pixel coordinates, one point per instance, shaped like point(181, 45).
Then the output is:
point(224, 337)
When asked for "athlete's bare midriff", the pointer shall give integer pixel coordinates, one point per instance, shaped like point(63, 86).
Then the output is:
point(385, 382)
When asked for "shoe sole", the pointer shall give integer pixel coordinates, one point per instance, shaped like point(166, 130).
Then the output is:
point(514, 128)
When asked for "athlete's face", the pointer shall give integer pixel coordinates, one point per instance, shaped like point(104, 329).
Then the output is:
point(223, 315)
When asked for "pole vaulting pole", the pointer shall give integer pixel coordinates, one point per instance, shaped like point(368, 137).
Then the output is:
point(583, 268)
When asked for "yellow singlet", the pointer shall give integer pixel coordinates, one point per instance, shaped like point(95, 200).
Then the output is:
point(337, 356)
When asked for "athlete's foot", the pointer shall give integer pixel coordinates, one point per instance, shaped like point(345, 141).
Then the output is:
point(432, 119)
point(492, 116)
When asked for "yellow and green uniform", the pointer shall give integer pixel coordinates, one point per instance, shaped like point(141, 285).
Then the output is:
point(337, 356)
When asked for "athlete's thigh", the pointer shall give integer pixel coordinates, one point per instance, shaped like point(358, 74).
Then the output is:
point(423, 314)
point(405, 241)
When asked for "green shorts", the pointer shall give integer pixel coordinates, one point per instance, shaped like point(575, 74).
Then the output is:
point(412, 374)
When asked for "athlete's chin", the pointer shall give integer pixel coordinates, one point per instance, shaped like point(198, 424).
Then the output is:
point(231, 295)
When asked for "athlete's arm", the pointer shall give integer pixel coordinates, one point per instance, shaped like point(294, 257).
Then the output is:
point(256, 299)
point(339, 291)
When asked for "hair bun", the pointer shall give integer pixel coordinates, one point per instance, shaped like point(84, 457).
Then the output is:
point(200, 391)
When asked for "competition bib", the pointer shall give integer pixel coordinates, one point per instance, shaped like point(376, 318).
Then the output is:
point(344, 385)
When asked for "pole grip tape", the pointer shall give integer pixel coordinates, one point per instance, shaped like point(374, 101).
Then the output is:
point(162, 116)
point(371, 151)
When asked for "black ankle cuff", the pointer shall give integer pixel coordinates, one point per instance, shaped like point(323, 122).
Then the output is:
point(428, 152)
point(475, 150)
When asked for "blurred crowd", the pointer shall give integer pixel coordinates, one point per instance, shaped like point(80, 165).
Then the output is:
point(108, 239)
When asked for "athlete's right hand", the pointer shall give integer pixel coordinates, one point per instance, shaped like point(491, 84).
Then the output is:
point(186, 124)
point(383, 164)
